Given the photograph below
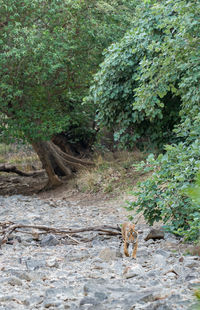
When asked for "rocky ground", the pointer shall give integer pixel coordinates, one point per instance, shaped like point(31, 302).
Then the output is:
point(45, 271)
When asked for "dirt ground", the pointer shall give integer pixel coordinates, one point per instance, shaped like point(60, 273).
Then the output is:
point(28, 186)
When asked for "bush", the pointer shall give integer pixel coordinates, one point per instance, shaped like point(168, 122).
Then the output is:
point(163, 196)
point(168, 195)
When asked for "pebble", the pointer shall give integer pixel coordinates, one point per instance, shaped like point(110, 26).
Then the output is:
point(46, 272)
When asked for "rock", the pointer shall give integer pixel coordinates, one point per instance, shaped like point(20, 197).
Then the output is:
point(191, 276)
point(88, 301)
point(153, 273)
point(155, 234)
point(159, 261)
point(134, 271)
point(33, 300)
point(190, 263)
point(21, 274)
point(100, 296)
point(33, 264)
point(156, 305)
point(61, 292)
point(52, 263)
point(108, 255)
point(14, 281)
point(48, 303)
point(49, 240)
point(143, 252)
point(47, 274)
point(162, 252)
point(80, 256)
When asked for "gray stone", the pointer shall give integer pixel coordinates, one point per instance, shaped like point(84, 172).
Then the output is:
point(88, 301)
point(80, 256)
point(159, 261)
point(34, 264)
point(77, 277)
point(51, 302)
point(108, 255)
point(21, 274)
point(155, 234)
point(162, 252)
point(49, 240)
point(156, 305)
point(135, 271)
point(153, 273)
point(100, 296)
point(143, 252)
point(34, 300)
point(14, 281)
point(190, 263)
point(52, 263)
point(190, 276)
point(61, 292)
point(7, 298)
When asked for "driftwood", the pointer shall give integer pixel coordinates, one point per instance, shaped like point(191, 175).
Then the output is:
point(7, 228)
point(11, 168)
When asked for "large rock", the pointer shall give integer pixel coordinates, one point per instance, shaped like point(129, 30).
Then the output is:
point(155, 234)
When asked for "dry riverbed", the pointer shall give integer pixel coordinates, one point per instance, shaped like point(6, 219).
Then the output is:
point(46, 272)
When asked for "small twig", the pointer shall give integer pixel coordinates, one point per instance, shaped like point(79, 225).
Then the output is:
point(68, 236)
point(138, 218)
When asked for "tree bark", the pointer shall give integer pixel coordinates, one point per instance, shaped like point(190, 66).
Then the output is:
point(57, 163)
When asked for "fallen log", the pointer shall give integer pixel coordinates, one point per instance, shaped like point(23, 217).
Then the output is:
point(9, 228)
point(11, 168)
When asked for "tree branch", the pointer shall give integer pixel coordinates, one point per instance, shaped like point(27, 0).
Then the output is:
point(8, 229)
point(8, 168)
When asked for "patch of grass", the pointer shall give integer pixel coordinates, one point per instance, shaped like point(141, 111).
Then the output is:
point(197, 294)
point(113, 172)
point(20, 155)
point(5, 148)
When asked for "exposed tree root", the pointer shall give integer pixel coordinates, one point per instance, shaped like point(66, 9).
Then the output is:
point(57, 163)
point(9, 168)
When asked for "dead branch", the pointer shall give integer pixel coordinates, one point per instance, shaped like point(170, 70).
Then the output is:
point(9, 168)
point(7, 230)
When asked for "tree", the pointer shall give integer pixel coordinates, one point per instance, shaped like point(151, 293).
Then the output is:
point(164, 196)
point(49, 51)
point(133, 94)
point(147, 84)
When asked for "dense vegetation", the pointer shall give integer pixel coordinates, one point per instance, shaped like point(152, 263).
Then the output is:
point(147, 84)
point(49, 51)
point(146, 91)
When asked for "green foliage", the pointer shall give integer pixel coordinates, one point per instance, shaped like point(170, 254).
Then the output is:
point(171, 66)
point(197, 293)
point(49, 51)
point(145, 79)
point(168, 195)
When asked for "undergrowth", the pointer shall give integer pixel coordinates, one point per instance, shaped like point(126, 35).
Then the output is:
point(113, 172)
point(20, 155)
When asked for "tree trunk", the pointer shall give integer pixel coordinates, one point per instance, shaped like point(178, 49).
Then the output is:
point(57, 163)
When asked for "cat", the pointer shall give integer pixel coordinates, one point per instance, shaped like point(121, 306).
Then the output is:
point(130, 236)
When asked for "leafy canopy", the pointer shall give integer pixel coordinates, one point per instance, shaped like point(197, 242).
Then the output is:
point(147, 84)
point(141, 86)
point(166, 195)
point(49, 51)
